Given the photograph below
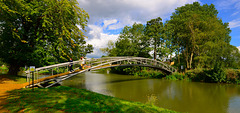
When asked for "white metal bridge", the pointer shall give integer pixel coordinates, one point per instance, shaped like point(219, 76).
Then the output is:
point(59, 72)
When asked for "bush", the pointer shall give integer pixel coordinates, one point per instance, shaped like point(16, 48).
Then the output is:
point(177, 76)
point(198, 75)
point(150, 73)
point(217, 74)
point(232, 76)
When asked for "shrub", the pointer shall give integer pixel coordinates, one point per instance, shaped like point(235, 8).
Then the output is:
point(217, 74)
point(149, 73)
point(198, 74)
point(232, 76)
point(177, 76)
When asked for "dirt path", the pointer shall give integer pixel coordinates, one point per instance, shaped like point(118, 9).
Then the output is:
point(6, 85)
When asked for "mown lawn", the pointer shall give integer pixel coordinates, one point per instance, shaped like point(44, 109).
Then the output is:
point(16, 78)
point(67, 99)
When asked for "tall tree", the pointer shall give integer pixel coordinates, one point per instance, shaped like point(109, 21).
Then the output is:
point(110, 49)
point(131, 42)
point(154, 30)
point(34, 32)
point(195, 29)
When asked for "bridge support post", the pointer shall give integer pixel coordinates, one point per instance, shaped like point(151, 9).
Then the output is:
point(37, 76)
point(32, 81)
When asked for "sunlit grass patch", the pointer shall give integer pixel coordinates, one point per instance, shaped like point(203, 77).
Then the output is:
point(66, 99)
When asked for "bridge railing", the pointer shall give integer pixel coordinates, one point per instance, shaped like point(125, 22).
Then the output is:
point(98, 62)
point(132, 60)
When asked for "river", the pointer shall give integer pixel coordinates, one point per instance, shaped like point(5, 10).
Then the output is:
point(181, 96)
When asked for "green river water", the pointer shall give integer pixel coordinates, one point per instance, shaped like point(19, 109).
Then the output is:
point(181, 96)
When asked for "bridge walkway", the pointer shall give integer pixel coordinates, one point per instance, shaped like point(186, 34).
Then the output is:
point(94, 65)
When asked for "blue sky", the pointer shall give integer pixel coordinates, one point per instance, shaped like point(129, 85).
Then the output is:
point(229, 11)
point(108, 17)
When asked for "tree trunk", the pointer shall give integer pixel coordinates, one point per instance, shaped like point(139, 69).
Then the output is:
point(187, 63)
point(186, 57)
point(155, 52)
point(190, 62)
point(178, 54)
point(13, 69)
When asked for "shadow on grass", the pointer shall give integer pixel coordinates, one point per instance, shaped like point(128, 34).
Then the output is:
point(66, 99)
point(15, 78)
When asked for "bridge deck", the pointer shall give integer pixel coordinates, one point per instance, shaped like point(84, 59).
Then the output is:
point(50, 77)
point(95, 64)
point(62, 74)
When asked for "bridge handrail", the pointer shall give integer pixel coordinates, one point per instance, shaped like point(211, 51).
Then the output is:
point(106, 59)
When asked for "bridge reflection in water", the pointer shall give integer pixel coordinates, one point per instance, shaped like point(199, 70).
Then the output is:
point(91, 64)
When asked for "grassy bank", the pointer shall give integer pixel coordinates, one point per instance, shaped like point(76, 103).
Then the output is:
point(215, 75)
point(66, 99)
point(16, 78)
point(208, 75)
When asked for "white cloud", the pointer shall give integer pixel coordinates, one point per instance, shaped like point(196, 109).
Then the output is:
point(229, 4)
point(99, 40)
point(115, 14)
point(135, 10)
point(238, 48)
point(235, 23)
point(235, 13)
point(109, 22)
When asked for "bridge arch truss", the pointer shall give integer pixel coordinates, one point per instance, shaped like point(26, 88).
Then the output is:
point(95, 64)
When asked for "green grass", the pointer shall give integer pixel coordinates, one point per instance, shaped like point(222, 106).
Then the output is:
point(16, 78)
point(66, 99)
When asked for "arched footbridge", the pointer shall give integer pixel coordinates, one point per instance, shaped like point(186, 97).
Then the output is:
point(59, 72)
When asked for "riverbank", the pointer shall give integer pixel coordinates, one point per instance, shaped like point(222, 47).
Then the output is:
point(67, 99)
point(62, 99)
point(215, 75)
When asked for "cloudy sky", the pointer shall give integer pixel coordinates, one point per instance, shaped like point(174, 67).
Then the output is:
point(108, 17)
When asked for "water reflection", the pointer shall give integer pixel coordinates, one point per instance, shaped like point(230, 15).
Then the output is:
point(181, 96)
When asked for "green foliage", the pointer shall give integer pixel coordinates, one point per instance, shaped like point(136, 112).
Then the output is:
point(151, 73)
point(232, 76)
point(109, 49)
point(3, 67)
point(139, 71)
point(217, 74)
point(131, 42)
point(177, 76)
point(41, 32)
point(194, 32)
point(198, 74)
point(54, 71)
point(199, 35)
point(154, 31)
point(66, 99)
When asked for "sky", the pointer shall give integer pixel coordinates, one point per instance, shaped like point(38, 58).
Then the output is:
point(108, 17)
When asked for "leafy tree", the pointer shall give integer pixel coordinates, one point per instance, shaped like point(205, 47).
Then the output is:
point(199, 34)
point(154, 31)
point(109, 50)
point(131, 42)
point(37, 33)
